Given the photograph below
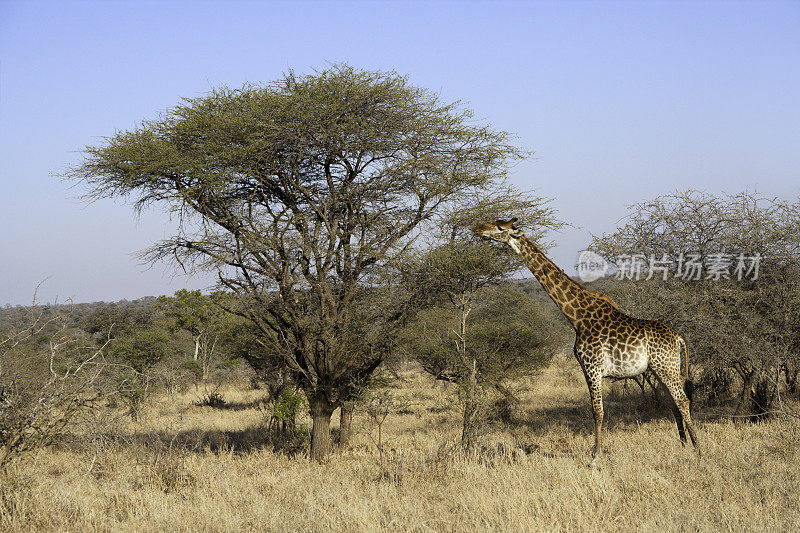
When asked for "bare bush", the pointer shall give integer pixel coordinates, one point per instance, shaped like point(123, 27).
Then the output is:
point(378, 403)
point(49, 374)
point(742, 330)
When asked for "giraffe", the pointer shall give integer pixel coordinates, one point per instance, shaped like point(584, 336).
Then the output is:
point(607, 341)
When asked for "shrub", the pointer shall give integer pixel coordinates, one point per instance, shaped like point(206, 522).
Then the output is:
point(48, 376)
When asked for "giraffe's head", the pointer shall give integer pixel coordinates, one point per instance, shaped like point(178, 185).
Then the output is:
point(500, 230)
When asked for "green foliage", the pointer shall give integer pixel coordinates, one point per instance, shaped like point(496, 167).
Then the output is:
point(132, 390)
point(508, 334)
point(193, 311)
point(454, 269)
point(243, 340)
point(195, 368)
point(286, 405)
point(141, 349)
point(204, 317)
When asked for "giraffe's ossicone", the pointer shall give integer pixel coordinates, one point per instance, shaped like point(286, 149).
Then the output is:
point(607, 341)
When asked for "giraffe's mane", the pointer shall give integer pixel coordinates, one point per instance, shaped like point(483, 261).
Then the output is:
point(599, 296)
point(592, 292)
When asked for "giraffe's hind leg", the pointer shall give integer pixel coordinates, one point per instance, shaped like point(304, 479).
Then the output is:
point(679, 420)
point(683, 417)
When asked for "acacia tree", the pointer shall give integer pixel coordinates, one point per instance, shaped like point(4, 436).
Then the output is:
point(507, 334)
point(203, 317)
point(448, 274)
point(299, 194)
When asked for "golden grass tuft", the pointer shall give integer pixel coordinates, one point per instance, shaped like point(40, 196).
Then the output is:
point(190, 468)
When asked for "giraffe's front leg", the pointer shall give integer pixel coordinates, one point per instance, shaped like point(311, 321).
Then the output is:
point(595, 383)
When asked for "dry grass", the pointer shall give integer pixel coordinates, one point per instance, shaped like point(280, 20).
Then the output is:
point(190, 468)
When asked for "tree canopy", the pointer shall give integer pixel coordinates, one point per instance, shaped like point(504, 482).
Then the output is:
point(300, 195)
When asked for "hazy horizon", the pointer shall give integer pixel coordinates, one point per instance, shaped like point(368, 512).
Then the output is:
point(621, 102)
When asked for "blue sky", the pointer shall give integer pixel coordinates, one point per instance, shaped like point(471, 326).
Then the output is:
point(621, 101)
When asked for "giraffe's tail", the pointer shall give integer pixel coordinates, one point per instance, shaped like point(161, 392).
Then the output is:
point(688, 385)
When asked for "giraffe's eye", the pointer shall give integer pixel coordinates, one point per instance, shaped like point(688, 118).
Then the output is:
point(499, 228)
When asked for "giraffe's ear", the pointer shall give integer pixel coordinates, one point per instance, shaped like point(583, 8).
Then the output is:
point(514, 223)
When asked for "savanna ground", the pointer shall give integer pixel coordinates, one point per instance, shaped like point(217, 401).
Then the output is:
point(191, 468)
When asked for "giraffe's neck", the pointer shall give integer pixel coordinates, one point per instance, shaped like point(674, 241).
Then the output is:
point(573, 299)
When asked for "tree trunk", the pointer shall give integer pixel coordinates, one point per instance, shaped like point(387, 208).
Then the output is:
point(208, 354)
point(8, 448)
point(469, 430)
point(792, 373)
point(345, 423)
point(204, 359)
point(742, 407)
point(321, 411)
point(469, 427)
point(196, 347)
point(469, 433)
point(762, 399)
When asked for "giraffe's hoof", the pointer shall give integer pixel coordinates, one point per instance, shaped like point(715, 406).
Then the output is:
point(593, 462)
